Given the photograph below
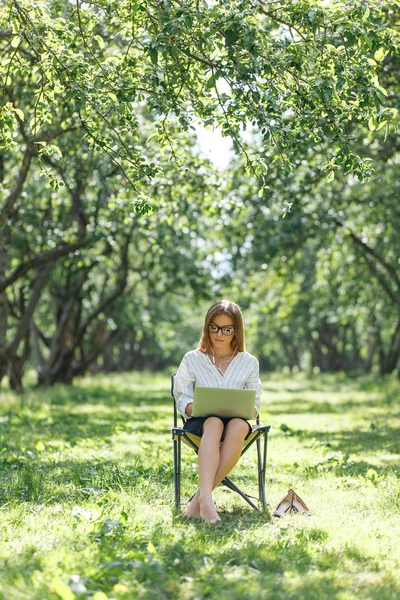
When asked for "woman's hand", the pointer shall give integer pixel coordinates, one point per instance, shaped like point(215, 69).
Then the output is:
point(188, 409)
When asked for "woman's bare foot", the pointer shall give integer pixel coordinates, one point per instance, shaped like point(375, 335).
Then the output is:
point(193, 510)
point(208, 512)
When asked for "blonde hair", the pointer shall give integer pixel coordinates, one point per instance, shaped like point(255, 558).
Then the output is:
point(223, 307)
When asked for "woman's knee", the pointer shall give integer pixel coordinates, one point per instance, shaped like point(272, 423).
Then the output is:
point(237, 428)
point(213, 424)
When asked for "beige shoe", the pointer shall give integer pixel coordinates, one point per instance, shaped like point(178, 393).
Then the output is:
point(299, 505)
point(291, 503)
point(285, 505)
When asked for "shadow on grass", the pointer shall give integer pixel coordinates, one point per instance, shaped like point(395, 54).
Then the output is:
point(305, 406)
point(111, 395)
point(21, 568)
point(68, 421)
point(384, 438)
point(74, 481)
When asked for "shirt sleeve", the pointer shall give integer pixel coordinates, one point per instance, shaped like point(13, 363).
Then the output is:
point(184, 387)
point(254, 383)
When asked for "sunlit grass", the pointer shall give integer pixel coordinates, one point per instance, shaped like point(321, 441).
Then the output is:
point(86, 497)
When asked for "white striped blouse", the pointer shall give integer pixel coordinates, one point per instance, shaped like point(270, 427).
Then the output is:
point(243, 372)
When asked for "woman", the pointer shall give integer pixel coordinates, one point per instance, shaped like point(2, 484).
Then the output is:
point(219, 361)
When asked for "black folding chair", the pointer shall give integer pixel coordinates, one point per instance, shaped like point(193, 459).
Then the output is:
point(179, 435)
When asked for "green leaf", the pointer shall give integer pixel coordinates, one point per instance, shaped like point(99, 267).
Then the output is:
point(371, 124)
point(153, 55)
point(112, 96)
point(152, 135)
point(330, 177)
point(371, 474)
point(15, 42)
point(380, 54)
point(20, 114)
point(211, 82)
point(33, 124)
point(100, 41)
point(39, 446)
point(382, 90)
point(124, 516)
point(62, 590)
point(285, 428)
point(151, 548)
point(231, 36)
point(387, 130)
point(99, 596)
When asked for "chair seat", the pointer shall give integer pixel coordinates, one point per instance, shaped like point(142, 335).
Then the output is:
point(195, 438)
point(179, 432)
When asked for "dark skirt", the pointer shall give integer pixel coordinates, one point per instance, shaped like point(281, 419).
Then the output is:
point(195, 425)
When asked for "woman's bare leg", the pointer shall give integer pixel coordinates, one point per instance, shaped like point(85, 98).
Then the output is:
point(208, 457)
point(229, 454)
point(231, 449)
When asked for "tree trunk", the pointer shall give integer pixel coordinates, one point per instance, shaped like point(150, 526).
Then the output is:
point(3, 312)
point(15, 361)
point(370, 357)
point(389, 360)
point(291, 350)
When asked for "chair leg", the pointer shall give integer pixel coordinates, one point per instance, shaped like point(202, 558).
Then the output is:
point(177, 472)
point(259, 469)
point(229, 484)
point(264, 464)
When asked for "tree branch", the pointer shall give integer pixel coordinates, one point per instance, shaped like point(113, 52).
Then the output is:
point(117, 292)
point(19, 184)
point(41, 259)
point(375, 272)
point(372, 252)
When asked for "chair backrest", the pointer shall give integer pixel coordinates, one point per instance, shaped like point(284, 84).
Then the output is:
point(173, 397)
point(173, 400)
point(176, 412)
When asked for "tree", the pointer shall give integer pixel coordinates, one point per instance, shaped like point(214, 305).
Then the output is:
point(88, 288)
point(325, 280)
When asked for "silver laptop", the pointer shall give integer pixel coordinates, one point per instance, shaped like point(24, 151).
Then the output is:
point(223, 402)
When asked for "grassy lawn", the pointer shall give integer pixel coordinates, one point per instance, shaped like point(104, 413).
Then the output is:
point(86, 496)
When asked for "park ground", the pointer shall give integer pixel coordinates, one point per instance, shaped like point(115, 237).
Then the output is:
point(86, 495)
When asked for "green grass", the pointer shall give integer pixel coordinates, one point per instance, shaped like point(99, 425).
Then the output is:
point(86, 496)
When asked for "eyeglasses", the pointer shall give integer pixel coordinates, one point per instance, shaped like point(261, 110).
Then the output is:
point(226, 330)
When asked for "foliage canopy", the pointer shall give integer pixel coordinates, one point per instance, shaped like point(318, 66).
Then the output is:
point(298, 72)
